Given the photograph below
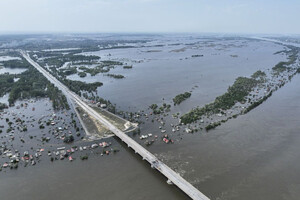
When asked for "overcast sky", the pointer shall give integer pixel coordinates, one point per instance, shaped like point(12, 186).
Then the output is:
point(226, 16)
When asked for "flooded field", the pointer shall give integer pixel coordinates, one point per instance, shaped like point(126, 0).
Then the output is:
point(254, 156)
point(7, 58)
point(11, 70)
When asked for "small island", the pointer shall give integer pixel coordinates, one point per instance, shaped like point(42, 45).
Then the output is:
point(117, 76)
point(181, 97)
point(127, 67)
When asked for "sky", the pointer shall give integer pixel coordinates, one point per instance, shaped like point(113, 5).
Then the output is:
point(154, 16)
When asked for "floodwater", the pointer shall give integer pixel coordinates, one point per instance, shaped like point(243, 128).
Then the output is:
point(7, 58)
point(166, 73)
point(12, 70)
point(252, 157)
point(4, 70)
point(255, 156)
point(4, 99)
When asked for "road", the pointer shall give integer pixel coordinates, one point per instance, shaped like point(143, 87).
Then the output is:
point(176, 179)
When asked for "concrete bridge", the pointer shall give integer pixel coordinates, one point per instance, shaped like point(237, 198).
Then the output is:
point(171, 175)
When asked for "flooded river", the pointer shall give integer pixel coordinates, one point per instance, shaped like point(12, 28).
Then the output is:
point(255, 156)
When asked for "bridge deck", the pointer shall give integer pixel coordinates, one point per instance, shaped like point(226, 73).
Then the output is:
point(176, 179)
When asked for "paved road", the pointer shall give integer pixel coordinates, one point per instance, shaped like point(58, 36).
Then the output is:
point(176, 179)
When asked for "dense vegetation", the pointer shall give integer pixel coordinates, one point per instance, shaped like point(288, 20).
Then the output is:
point(111, 62)
point(181, 97)
point(127, 67)
point(61, 59)
point(16, 63)
point(58, 99)
point(95, 70)
point(197, 55)
point(57, 59)
point(258, 74)
point(78, 86)
point(236, 93)
point(82, 74)
point(117, 76)
point(102, 67)
point(6, 82)
point(212, 126)
point(75, 86)
point(31, 84)
point(153, 106)
point(257, 103)
point(68, 71)
point(69, 139)
point(282, 66)
point(159, 110)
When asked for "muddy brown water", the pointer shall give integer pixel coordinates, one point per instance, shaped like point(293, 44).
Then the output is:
point(255, 156)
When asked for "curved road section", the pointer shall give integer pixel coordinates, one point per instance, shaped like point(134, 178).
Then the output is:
point(172, 176)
